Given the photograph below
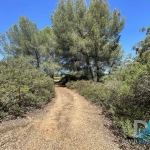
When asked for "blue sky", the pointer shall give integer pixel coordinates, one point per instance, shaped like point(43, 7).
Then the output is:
point(137, 15)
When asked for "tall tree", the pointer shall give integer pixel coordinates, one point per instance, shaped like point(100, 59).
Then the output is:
point(25, 39)
point(88, 37)
point(104, 32)
point(49, 61)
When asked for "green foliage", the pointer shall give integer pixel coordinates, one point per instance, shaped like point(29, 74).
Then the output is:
point(88, 37)
point(143, 45)
point(25, 39)
point(125, 94)
point(18, 76)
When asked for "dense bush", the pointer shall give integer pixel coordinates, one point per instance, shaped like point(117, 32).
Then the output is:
point(125, 95)
point(22, 87)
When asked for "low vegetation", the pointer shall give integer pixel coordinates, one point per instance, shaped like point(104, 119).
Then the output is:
point(125, 95)
point(22, 87)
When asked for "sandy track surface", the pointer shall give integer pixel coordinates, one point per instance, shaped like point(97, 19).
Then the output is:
point(68, 122)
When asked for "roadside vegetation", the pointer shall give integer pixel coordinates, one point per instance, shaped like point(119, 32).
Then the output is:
point(124, 95)
point(23, 87)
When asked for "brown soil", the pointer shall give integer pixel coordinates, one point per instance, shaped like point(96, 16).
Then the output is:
point(68, 122)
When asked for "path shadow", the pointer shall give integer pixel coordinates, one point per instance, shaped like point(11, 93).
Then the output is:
point(59, 84)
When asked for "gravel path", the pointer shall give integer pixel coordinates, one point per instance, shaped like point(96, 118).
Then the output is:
point(68, 122)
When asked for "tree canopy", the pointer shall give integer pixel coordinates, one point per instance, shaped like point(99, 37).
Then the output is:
point(25, 39)
point(88, 37)
point(143, 45)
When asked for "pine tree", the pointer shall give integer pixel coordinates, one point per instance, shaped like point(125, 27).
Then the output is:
point(25, 39)
point(143, 45)
point(88, 37)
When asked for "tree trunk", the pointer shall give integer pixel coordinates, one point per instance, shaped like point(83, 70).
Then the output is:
point(97, 71)
point(37, 59)
point(90, 69)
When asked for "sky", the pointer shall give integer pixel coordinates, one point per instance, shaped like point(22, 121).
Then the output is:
point(136, 12)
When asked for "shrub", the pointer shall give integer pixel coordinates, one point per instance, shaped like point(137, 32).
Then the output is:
point(125, 95)
point(18, 77)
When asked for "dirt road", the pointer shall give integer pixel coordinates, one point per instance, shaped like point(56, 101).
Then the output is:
point(68, 122)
